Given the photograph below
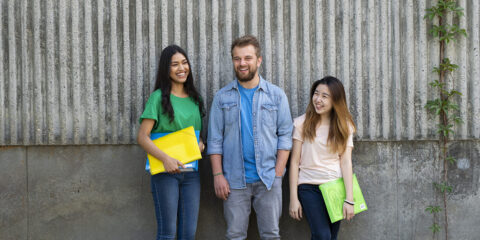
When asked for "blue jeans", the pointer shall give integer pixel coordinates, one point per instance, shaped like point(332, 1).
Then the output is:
point(316, 213)
point(176, 198)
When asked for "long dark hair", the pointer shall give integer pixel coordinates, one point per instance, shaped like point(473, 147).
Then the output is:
point(164, 83)
point(341, 122)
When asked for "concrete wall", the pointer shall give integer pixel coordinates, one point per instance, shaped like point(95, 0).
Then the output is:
point(102, 192)
point(74, 77)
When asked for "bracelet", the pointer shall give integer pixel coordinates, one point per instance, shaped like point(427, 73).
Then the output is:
point(218, 174)
point(348, 202)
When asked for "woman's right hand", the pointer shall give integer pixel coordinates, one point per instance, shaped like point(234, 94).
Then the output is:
point(295, 209)
point(171, 165)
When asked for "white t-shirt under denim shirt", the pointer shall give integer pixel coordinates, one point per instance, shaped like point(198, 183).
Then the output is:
point(317, 164)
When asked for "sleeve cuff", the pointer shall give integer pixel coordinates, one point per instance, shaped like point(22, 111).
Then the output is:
point(213, 148)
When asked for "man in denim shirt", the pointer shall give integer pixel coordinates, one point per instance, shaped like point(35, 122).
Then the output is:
point(249, 140)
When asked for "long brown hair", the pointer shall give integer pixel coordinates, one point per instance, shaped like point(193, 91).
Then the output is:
point(341, 122)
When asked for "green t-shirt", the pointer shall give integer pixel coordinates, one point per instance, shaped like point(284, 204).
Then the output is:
point(186, 113)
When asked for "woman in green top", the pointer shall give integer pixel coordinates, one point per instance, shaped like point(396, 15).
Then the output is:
point(175, 104)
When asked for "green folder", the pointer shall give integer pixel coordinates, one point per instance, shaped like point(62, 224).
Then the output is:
point(334, 194)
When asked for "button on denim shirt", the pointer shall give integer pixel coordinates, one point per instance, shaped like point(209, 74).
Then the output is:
point(272, 130)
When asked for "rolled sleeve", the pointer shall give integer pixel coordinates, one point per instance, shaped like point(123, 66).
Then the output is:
point(215, 129)
point(285, 124)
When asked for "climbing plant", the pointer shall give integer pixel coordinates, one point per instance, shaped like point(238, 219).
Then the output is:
point(444, 106)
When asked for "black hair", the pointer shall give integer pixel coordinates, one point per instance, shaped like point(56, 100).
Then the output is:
point(164, 83)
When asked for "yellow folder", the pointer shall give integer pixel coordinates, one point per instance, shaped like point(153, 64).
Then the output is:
point(181, 145)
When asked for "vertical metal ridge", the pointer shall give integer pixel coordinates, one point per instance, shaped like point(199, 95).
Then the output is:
point(422, 70)
point(241, 17)
point(306, 65)
point(202, 48)
point(125, 122)
point(227, 71)
point(371, 72)
point(51, 80)
point(319, 63)
point(280, 46)
point(91, 112)
point(177, 21)
point(77, 85)
point(12, 74)
point(462, 73)
point(63, 73)
point(397, 89)
point(152, 58)
point(254, 18)
point(139, 64)
point(2, 86)
point(215, 49)
point(292, 73)
point(410, 69)
point(38, 73)
point(114, 105)
point(383, 35)
point(26, 78)
point(345, 49)
point(358, 69)
point(475, 66)
point(331, 64)
point(268, 60)
point(101, 74)
point(164, 14)
point(191, 41)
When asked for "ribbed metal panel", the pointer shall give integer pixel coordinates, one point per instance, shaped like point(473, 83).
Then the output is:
point(79, 72)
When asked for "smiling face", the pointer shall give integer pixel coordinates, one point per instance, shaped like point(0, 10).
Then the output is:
point(245, 62)
point(322, 100)
point(179, 68)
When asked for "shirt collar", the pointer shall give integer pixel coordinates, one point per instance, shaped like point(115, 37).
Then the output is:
point(261, 85)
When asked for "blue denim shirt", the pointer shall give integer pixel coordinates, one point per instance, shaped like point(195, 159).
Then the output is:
point(272, 130)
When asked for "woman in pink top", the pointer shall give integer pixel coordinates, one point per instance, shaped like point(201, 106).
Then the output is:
point(322, 151)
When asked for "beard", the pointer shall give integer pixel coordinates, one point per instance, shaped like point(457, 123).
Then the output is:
point(248, 77)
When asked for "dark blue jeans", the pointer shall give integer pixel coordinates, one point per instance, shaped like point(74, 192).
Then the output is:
point(316, 213)
point(177, 199)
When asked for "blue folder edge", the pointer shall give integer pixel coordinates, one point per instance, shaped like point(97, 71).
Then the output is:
point(193, 165)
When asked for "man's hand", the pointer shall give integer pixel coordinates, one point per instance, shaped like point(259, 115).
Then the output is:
point(222, 188)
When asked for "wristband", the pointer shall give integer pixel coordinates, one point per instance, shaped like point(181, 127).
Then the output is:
point(218, 174)
point(348, 202)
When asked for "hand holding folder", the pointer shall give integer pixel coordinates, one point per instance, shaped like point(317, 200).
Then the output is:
point(181, 145)
point(333, 195)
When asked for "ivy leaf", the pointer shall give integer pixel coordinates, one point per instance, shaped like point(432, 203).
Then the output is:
point(458, 120)
point(435, 228)
point(433, 209)
point(452, 160)
point(454, 92)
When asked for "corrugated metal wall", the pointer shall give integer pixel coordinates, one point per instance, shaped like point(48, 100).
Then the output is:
point(79, 72)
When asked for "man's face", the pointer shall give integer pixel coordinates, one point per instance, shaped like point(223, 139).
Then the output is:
point(245, 62)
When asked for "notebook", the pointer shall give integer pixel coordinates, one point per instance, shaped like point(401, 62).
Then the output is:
point(181, 145)
point(334, 194)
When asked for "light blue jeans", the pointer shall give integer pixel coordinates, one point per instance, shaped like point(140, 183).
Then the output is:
point(176, 198)
point(266, 203)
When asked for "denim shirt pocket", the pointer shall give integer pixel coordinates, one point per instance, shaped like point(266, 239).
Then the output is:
point(230, 112)
point(269, 115)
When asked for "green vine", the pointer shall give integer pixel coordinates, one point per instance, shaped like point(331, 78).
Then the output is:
point(444, 106)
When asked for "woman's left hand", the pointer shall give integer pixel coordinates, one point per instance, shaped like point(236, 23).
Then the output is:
point(201, 146)
point(348, 211)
